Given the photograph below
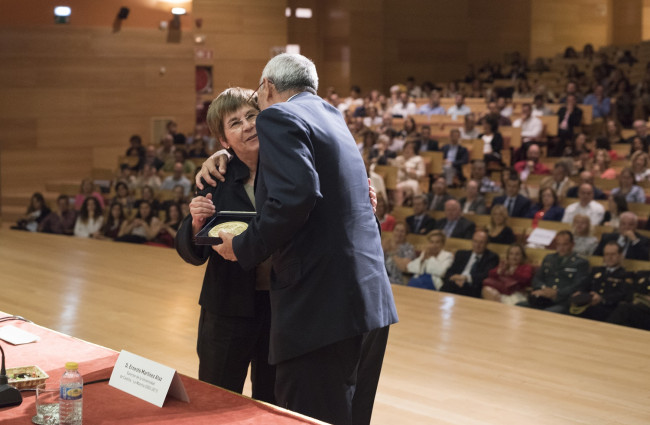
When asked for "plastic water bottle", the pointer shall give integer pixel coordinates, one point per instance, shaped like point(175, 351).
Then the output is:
point(71, 392)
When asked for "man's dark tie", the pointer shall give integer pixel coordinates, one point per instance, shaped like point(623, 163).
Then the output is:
point(510, 203)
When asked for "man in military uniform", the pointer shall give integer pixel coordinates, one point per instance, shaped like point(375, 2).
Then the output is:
point(637, 312)
point(610, 285)
point(560, 275)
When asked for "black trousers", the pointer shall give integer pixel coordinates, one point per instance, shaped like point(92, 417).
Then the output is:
point(227, 345)
point(336, 383)
point(634, 315)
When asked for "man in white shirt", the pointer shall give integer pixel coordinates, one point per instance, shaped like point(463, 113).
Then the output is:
point(459, 109)
point(404, 108)
point(177, 178)
point(531, 127)
point(586, 206)
point(469, 130)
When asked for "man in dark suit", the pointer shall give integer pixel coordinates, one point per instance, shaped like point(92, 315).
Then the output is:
point(634, 245)
point(516, 204)
point(470, 268)
point(331, 301)
point(454, 225)
point(586, 177)
point(454, 156)
point(569, 117)
point(420, 222)
point(425, 142)
point(438, 195)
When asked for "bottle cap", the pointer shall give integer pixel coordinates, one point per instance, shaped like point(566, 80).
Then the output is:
point(71, 366)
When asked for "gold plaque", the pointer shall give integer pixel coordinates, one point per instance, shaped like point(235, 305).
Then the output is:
point(232, 227)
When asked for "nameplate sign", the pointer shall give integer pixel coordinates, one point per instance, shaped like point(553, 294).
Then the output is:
point(146, 379)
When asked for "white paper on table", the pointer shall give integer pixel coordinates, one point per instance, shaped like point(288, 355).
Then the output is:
point(16, 336)
point(541, 236)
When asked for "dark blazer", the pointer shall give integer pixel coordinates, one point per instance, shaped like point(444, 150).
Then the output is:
point(427, 225)
point(477, 205)
point(522, 205)
point(555, 213)
point(488, 261)
point(575, 119)
point(496, 143)
point(430, 145)
point(464, 228)
point(440, 206)
point(329, 282)
point(573, 193)
point(227, 289)
point(638, 251)
point(505, 237)
point(462, 158)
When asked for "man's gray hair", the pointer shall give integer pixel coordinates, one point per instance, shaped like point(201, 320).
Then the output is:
point(291, 72)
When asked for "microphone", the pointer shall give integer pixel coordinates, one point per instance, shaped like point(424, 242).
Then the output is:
point(9, 396)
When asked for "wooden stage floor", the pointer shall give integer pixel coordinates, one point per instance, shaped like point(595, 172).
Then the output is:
point(450, 360)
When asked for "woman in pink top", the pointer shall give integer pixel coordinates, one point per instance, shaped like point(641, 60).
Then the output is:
point(85, 191)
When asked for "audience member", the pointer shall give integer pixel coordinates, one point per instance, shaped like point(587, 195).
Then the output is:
point(151, 158)
point(381, 154)
point(420, 222)
point(169, 227)
point(560, 275)
point(179, 155)
point(166, 150)
point(37, 211)
point(90, 219)
point(61, 221)
point(635, 312)
point(585, 205)
point(470, 267)
point(602, 165)
point(143, 228)
point(599, 102)
point(637, 146)
point(546, 208)
point(507, 283)
point(473, 202)
point(558, 180)
point(531, 165)
point(498, 229)
point(569, 117)
point(640, 163)
point(410, 169)
point(609, 285)
point(539, 107)
point(177, 178)
point(585, 243)
point(634, 245)
point(516, 204)
point(433, 106)
point(87, 189)
point(432, 264)
point(492, 141)
point(613, 132)
point(386, 221)
point(397, 253)
point(149, 196)
point(616, 205)
point(641, 130)
point(454, 225)
point(478, 174)
point(426, 142)
point(469, 131)
point(438, 196)
point(123, 197)
point(586, 177)
point(113, 222)
point(458, 108)
point(135, 147)
point(404, 107)
point(454, 156)
point(532, 127)
point(172, 129)
point(628, 188)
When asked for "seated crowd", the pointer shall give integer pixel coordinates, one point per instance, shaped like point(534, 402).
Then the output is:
point(596, 178)
point(145, 203)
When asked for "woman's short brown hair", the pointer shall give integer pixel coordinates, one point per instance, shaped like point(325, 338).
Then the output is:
point(228, 101)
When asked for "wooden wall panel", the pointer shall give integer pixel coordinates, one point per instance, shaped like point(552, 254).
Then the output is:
point(627, 21)
point(557, 24)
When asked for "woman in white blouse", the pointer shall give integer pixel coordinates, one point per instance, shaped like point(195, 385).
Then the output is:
point(90, 220)
point(410, 170)
point(433, 260)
